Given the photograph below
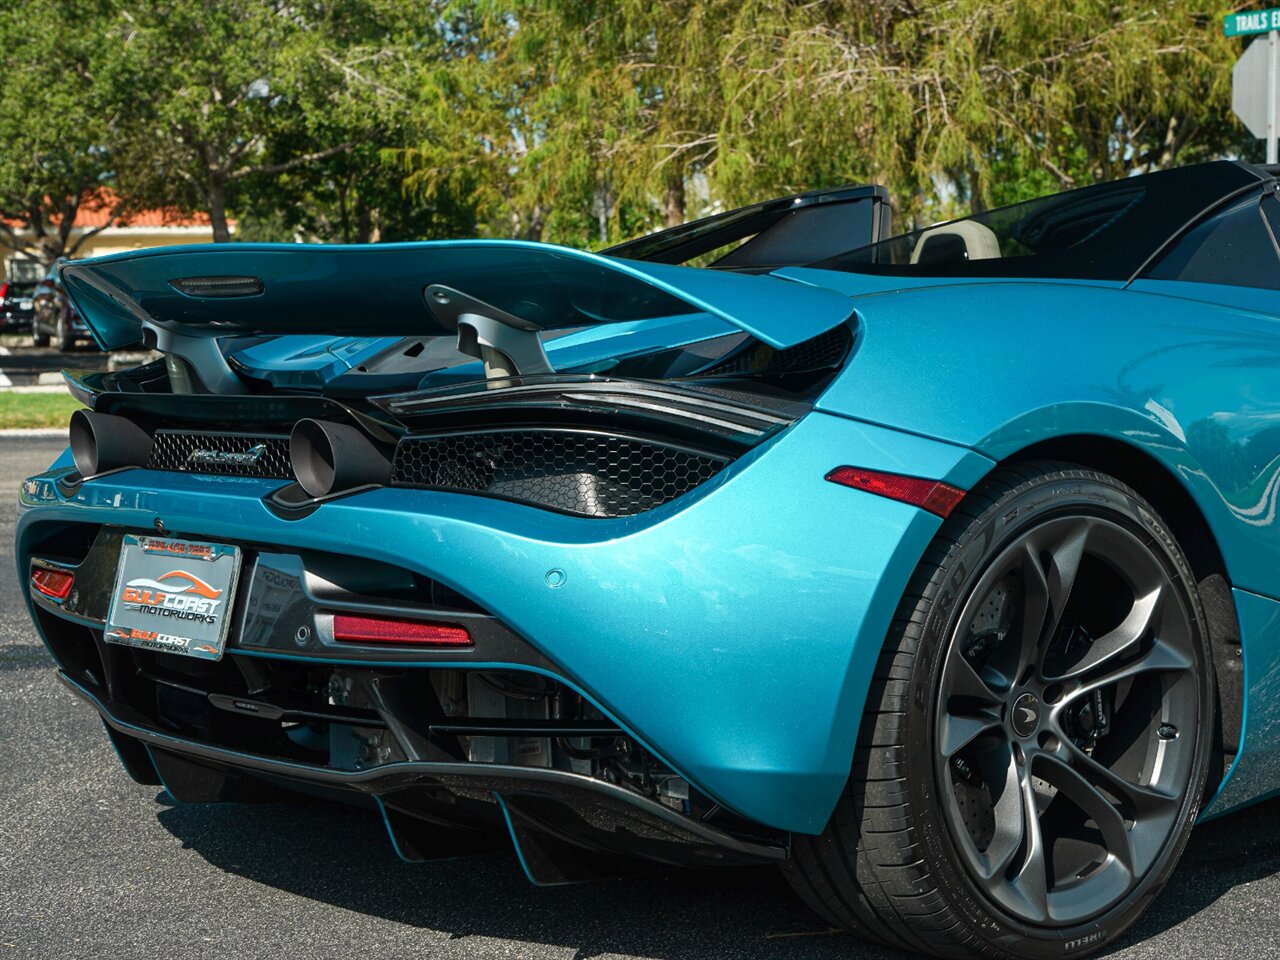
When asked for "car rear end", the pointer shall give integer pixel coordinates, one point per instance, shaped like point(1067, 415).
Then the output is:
point(613, 613)
point(16, 306)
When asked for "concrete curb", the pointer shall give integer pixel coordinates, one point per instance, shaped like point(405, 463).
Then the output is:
point(35, 432)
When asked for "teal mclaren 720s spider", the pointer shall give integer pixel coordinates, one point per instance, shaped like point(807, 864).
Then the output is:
point(942, 571)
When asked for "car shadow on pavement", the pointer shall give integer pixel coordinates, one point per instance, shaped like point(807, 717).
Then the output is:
point(1223, 854)
point(23, 656)
point(341, 856)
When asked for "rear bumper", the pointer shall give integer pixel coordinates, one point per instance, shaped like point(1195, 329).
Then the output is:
point(437, 809)
point(732, 632)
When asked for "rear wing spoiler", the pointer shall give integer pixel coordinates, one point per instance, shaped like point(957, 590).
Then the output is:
point(380, 289)
point(181, 299)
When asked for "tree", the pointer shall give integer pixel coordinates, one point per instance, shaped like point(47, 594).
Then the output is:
point(962, 99)
point(575, 120)
point(357, 195)
point(58, 119)
point(979, 101)
point(585, 121)
point(229, 85)
point(630, 114)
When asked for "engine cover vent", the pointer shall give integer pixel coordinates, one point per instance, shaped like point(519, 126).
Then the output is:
point(585, 473)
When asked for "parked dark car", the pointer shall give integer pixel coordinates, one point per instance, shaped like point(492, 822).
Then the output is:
point(55, 318)
point(15, 306)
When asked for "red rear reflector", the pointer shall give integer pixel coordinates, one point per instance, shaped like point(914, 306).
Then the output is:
point(354, 629)
point(932, 495)
point(52, 583)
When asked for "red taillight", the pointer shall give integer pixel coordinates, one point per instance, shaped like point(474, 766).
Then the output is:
point(354, 629)
point(4, 290)
point(52, 583)
point(931, 495)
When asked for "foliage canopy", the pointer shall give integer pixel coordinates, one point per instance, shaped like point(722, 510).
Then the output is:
point(587, 121)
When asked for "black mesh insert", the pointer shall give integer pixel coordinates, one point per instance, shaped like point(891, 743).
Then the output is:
point(226, 454)
point(822, 352)
point(589, 474)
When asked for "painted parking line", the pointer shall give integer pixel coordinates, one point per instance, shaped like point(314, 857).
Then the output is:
point(4, 377)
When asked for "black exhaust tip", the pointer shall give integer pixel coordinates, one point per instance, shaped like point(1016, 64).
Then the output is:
point(331, 457)
point(103, 441)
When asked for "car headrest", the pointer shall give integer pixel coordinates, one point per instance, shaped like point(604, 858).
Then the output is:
point(954, 242)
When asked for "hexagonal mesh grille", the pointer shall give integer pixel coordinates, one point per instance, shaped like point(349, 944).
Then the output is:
point(227, 454)
point(824, 350)
point(589, 474)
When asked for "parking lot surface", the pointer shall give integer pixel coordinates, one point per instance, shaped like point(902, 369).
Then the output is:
point(21, 364)
point(95, 866)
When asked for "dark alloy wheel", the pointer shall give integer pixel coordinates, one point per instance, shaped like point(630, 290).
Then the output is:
point(1066, 689)
point(1036, 742)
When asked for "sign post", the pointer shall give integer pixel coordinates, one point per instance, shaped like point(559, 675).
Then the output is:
point(1255, 79)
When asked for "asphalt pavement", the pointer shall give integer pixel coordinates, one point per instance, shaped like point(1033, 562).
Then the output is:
point(94, 866)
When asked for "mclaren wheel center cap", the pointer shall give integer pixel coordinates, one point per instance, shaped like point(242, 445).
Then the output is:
point(1025, 715)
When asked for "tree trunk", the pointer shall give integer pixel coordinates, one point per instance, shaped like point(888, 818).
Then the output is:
point(364, 222)
point(216, 194)
point(537, 221)
point(675, 200)
point(602, 207)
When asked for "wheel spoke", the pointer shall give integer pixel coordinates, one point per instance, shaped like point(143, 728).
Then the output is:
point(1031, 880)
point(1143, 800)
point(958, 731)
point(961, 679)
point(1064, 563)
point(1036, 606)
point(1110, 821)
point(1013, 866)
point(1123, 639)
point(1161, 658)
point(1048, 566)
point(1000, 772)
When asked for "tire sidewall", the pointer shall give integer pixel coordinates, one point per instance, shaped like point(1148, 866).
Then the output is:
point(64, 340)
point(964, 564)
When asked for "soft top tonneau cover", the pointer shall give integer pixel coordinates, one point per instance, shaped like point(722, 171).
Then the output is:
point(377, 289)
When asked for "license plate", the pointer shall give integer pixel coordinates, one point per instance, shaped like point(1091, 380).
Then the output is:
point(173, 596)
point(25, 304)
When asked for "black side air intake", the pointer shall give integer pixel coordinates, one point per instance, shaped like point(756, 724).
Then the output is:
point(331, 457)
point(102, 442)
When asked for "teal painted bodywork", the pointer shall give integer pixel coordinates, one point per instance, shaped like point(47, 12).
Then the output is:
point(1256, 771)
point(1000, 367)
point(301, 362)
point(683, 623)
point(1187, 373)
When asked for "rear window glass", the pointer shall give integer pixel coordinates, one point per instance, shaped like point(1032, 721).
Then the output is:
point(1233, 247)
point(1271, 210)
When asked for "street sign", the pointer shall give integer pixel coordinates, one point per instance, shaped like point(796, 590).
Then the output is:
point(1255, 21)
point(1255, 89)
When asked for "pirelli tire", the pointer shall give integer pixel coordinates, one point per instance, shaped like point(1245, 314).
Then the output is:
point(1115, 705)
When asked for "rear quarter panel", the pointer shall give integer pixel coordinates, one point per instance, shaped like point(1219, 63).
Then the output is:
point(999, 367)
point(1192, 382)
